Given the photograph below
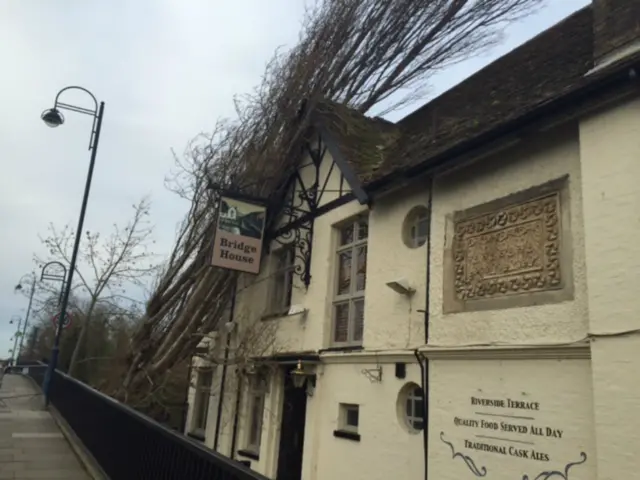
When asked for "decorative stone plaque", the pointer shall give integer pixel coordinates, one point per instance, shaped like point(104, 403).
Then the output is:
point(511, 247)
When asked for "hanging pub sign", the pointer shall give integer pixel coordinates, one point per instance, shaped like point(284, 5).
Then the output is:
point(238, 237)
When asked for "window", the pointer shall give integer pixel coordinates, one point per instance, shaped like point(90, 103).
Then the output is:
point(282, 281)
point(201, 402)
point(348, 417)
point(348, 306)
point(420, 230)
point(256, 412)
point(411, 407)
point(415, 228)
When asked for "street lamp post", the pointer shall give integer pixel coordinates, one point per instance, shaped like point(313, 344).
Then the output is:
point(26, 318)
point(15, 338)
point(54, 118)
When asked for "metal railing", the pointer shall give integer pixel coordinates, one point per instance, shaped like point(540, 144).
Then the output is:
point(127, 444)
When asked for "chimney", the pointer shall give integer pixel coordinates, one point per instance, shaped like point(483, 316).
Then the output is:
point(616, 30)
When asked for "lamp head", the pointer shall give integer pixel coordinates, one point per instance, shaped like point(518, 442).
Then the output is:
point(401, 286)
point(298, 376)
point(52, 117)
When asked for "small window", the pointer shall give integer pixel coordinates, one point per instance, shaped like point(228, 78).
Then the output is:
point(201, 402)
point(351, 280)
point(282, 279)
point(411, 407)
point(256, 412)
point(415, 228)
point(348, 417)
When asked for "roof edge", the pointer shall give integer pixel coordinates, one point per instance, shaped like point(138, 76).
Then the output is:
point(618, 75)
point(514, 51)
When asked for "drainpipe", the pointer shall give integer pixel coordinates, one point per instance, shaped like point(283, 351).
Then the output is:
point(223, 379)
point(422, 360)
point(428, 282)
point(424, 379)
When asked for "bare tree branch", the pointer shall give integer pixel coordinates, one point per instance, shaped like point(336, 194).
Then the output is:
point(364, 54)
point(107, 267)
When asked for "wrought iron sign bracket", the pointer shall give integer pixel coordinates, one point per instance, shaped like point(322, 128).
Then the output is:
point(300, 237)
point(298, 228)
point(296, 210)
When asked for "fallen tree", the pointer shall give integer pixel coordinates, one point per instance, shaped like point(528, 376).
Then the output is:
point(365, 54)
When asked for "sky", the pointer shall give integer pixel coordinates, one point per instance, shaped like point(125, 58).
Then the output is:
point(166, 70)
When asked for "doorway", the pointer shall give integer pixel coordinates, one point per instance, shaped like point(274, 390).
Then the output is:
point(294, 410)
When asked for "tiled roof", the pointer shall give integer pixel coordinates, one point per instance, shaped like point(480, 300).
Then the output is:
point(544, 69)
point(362, 140)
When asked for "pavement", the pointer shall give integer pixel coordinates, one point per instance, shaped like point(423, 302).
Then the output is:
point(31, 444)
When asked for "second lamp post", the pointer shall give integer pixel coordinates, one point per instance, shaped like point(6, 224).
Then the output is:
point(26, 318)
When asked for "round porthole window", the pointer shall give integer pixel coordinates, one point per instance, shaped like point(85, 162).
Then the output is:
point(410, 407)
point(415, 227)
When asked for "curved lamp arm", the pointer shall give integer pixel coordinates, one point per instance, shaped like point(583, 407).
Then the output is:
point(44, 275)
point(73, 107)
point(54, 118)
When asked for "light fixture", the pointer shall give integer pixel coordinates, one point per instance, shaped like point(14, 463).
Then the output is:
point(401, 286)
point(298, 376)
point(297, 310)
point(52, 117)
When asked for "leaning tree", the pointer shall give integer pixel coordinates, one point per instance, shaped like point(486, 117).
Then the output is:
point(368, 55)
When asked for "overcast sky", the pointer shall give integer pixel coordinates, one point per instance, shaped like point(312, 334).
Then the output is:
point(167, 69)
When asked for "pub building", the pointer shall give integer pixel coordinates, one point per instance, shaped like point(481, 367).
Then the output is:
point(458, 297)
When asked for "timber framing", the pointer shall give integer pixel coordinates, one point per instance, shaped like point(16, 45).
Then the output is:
point(302, 202)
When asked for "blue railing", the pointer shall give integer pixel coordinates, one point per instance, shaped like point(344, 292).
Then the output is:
point(127, 444)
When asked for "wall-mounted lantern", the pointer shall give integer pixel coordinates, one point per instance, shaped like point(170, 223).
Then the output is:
point(299, 377)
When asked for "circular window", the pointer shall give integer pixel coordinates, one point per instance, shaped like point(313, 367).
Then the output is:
point(411, 407)
point(415, 228)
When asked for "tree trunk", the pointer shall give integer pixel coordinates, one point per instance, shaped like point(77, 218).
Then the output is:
point(80, 341)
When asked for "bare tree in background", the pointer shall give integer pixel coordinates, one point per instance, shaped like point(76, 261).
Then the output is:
point(365, 54)
point(108, 268)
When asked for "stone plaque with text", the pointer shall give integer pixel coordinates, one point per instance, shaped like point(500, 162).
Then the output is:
point(512, 419)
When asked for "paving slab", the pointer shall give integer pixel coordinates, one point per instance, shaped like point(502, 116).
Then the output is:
point(31, 444)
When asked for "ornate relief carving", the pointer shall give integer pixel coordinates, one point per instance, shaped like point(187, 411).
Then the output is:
point(509, 251)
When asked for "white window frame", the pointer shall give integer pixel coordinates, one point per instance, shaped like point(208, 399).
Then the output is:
point(202, 401)
point(282, 278)
point(353, 295)
point(343, 416)
point(255, 407)
point(418, 240)
point(410, 414)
